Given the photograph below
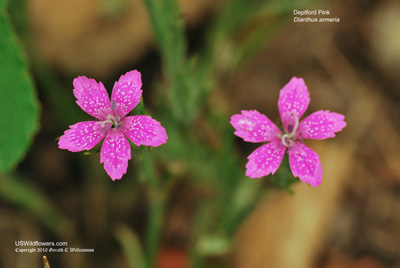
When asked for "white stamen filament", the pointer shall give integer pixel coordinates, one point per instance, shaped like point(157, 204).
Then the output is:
point(103, 123)
point(296, 124)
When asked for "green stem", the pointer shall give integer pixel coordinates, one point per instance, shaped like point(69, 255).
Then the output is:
point(156, 201)
point(154, 227)
point(19, 193)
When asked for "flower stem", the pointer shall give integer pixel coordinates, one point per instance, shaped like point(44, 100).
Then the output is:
point(154, 226)
point(156, 202)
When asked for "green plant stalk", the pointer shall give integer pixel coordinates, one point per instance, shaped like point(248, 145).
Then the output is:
point(17, 192)
point(169, 34)
point(154, 227)
point(131, 246)
point(156, 202)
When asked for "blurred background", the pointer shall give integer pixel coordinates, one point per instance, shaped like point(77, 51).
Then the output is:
point(188, 203)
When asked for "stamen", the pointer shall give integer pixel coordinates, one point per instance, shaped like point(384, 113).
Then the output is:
point(118, 125)
point(113, 105)
point(103, 123)
point(290, 127)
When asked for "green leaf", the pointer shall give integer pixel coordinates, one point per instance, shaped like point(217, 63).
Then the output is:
point(16, 191)
point(213, 245)
point(19, 107)
point(131, 246)
point(3, 4)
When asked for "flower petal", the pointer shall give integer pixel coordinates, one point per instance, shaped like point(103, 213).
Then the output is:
point(115, 153)
point(293, 99)
point(254, 127)
point(92, 97)
point(126, 93)
point(265, 159)
point(81, 136)
point(321, 125)
point(144, 130)
point(305, 164)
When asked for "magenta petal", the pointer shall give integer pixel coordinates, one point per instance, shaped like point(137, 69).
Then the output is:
point(144, 130)
point(321, 125)
point(126, 93)
point(92, 97)
point(293, 98)
point(115, 153)
point(254, 127)
point(265, 159)
point(81, 136)
point(305, 164)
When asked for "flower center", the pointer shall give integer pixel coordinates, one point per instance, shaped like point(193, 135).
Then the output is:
point(111, 122)
point(286, 140)
point(290, 133)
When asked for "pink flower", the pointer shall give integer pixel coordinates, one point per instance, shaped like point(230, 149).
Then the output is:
point(113, 125)
point(304, 162)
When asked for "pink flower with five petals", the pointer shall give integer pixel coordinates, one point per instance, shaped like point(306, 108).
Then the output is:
point(304, 162)
point(113, 125)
